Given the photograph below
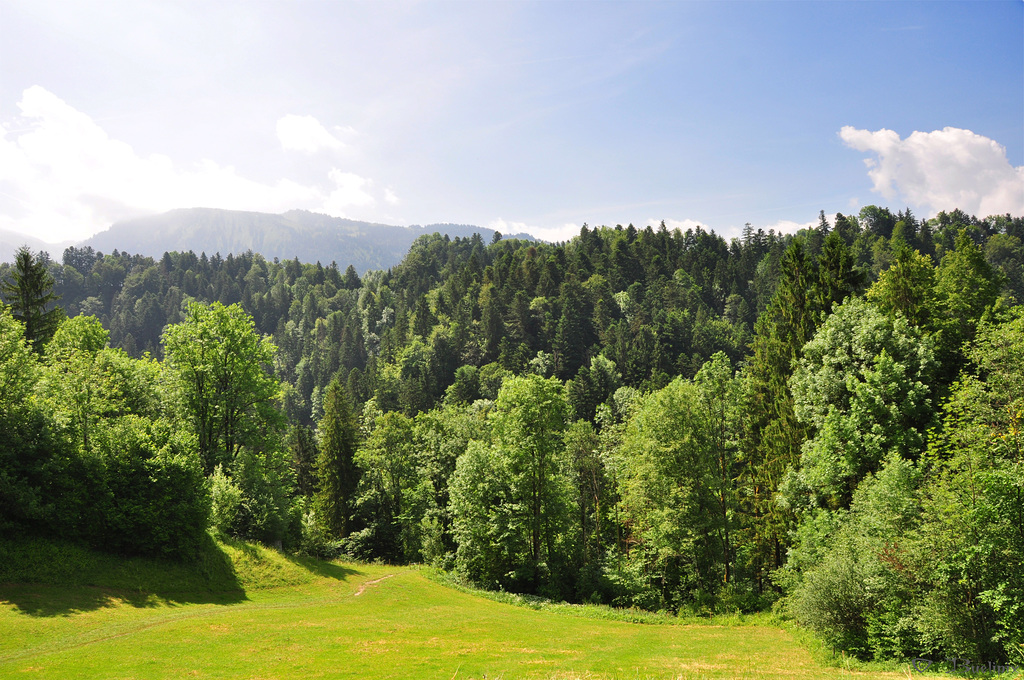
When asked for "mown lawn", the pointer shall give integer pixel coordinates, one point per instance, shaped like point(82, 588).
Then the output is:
point(291, 619)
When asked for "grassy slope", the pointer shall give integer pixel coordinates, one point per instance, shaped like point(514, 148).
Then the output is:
point(253, 613)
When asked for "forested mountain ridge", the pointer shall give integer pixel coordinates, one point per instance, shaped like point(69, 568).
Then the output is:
point(650, 418)
point(309, 236)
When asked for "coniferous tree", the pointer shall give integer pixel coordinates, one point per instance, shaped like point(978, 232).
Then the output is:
point(29, 291)
point(774, 435)
point(336, 472)
point(837, 277)
point(574, 333)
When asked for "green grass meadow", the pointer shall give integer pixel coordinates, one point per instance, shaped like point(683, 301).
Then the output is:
point(250, 612)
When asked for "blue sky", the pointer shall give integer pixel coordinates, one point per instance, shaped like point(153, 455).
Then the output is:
point(524, 116)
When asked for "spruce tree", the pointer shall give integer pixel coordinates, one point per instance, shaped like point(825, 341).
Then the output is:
point(29, 291)
point(336, 471)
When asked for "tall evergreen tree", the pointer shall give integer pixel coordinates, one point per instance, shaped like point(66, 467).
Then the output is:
point(774, 435)
point(575, 332)
point(837, 277)
point(336, 471)
point(29, 291)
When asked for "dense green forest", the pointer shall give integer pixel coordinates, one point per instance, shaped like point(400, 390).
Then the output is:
point(828, 423)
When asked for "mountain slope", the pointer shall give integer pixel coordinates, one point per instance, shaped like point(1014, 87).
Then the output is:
point(11, 241)
point(309, 236)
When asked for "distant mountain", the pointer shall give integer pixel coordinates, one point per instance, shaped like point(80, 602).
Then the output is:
point(311, 237)
point(11, 241)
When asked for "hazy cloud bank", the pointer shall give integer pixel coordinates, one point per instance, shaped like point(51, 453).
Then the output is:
point(307, 134)
point(63, 177)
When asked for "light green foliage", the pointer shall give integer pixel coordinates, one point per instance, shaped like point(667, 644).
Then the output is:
point(221, 363)
point(479, 489)
point(511, 500)
point(852, 576)
point(529, 417)
point(103, 466)
point(863, 387)
point(973, 532)
point(25, 447)
point(928, 556)
point(966, 283)
point(266, 480)
point(392, 495)
point(77, 334)
point(219, 369)
point(225, 499)
point(676, 481)
point(441, 437)
point(87, 386)
point(72, 383)
point(17, 363)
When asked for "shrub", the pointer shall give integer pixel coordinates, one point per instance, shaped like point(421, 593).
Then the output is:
point(225, 499)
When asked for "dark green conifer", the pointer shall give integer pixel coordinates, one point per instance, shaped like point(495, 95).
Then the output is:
point(29, 292)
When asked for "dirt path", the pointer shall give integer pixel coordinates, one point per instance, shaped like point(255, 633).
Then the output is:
point(367, 584)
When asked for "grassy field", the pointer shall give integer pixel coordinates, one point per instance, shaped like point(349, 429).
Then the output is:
point(253, 613)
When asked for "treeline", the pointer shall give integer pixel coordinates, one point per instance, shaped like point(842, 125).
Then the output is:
point(647, 418)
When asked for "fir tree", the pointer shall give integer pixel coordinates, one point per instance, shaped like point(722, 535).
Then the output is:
point(29, 291)
point(336, 472)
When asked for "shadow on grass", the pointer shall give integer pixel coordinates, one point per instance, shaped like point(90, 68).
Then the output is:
point(323, 569)
point(42, 577)
point(44, 600)
point(46, 578)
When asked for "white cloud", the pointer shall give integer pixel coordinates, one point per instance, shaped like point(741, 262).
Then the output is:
point(306, 134)
point(791, 227)
point(552, 234)
point(941, 170)
point(63, 178)
point(351, 190)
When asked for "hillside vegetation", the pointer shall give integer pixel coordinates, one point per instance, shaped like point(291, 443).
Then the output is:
point(824, 424)
point(308, 236)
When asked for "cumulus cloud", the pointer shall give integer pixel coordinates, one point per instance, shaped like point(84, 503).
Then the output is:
point(63, 178)
point(306, 134)
point(941, 170)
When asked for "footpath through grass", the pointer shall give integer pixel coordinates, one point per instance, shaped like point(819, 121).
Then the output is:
point(253, 613)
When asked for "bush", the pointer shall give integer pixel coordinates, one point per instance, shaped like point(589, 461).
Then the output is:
point(315, 539)
point(225, 499)
point(157, 500)
point(833, 602)
point(266, 482)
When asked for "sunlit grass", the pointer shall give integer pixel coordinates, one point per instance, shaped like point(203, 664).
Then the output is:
point(304, 619)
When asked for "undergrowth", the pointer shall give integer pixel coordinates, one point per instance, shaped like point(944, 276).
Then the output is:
point(598, 611)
